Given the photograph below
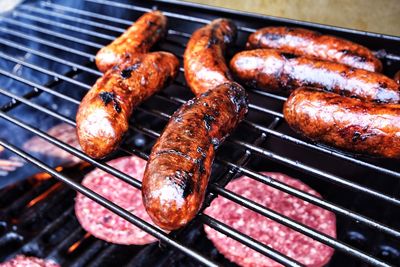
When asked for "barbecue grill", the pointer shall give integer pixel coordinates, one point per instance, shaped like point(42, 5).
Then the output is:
point(46, 67)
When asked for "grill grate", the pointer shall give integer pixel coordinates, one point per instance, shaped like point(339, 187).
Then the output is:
point(70, 37)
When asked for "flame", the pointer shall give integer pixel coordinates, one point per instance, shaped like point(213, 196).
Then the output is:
point(75, 245)
point(43, 195)
point(44, 175)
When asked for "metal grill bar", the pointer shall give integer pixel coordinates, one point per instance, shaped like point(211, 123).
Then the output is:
point(181, 101)
point(53, 33)
point(241, 28)
point(277, 114)
point(109, 205)
point(237, 199)
point(243, 201)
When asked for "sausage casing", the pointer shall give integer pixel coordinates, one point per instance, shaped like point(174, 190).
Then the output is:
point(272, 70)
point(138, 38)
point(309, 43)
point(347, 123)
point(397, 77)
point(204, 62)
point(179, 166)
point(103, 114)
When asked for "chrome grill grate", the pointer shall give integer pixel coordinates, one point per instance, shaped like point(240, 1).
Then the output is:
point(57, 43)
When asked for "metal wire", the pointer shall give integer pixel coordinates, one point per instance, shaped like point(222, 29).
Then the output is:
point(277, 114)
point(250, 147)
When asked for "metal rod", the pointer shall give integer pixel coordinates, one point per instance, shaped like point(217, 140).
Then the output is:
point(248, 241)
point(156, 232)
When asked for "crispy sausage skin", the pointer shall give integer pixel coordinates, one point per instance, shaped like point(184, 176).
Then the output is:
point(308, 43)
point(103, 114)
point(179, 166)
point(397, 77)
point(347, 123)
point(204, 61)
point(138, 38)
point(272, 70)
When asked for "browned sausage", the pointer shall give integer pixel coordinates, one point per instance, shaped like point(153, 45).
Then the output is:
point(272, 70)
point(138, 38)
point(103, 114)
point(179, 166)
point(204, 61)
point(308, 43)
point(346, 123)
point(397, 77)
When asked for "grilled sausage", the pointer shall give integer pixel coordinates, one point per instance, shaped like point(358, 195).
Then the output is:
point(346, 123)
point(139, 38)
point(308, 43)
point(204, 62)
point(397, 77)
point(179, 166)
point(272, 70)
point(103, 115)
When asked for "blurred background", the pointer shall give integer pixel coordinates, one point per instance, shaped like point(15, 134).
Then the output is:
point(381, 16)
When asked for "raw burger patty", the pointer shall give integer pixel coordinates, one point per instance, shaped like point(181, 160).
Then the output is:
point(63, 132)
point(24, 261)
point(281, 238)
point(101, 222)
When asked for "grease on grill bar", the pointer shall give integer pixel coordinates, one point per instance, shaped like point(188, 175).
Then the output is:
point(46, 66)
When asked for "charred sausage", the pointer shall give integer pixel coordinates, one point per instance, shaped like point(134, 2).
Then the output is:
point(179, 166)
point(347, 123)
point(139, 38)
point(272, 70)
point(308, 43)
point(397, 77)
point(204, 62)
point(103, 114)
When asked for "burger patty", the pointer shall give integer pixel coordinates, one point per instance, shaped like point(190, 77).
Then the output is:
point(24, 261)
point(101, 222)
point(277, 236)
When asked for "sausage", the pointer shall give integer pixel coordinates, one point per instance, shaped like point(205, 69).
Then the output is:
point(138, 38)
point(396, 77)
point(313, 44)
point(346, 123)
point(204, 62)
point(272, 70)
point(103, 114)
point(179, 166)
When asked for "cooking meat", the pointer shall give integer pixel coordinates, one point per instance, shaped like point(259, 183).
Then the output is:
point(309, 43)
point(25, 261)
point(275, 71)
point(63, 132)
point(277, 236)
point(139, 38)
point(397, 77)
point(204, 61)
point(179, 167)
point(103, 115)
point(105, 224)
point(346, 123)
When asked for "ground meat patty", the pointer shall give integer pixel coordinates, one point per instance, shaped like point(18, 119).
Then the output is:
point(63, 132)
point(24, 261)
point(101, 222)
point(279, 237)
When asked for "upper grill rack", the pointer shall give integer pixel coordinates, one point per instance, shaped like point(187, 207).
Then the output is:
point(36, 14)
